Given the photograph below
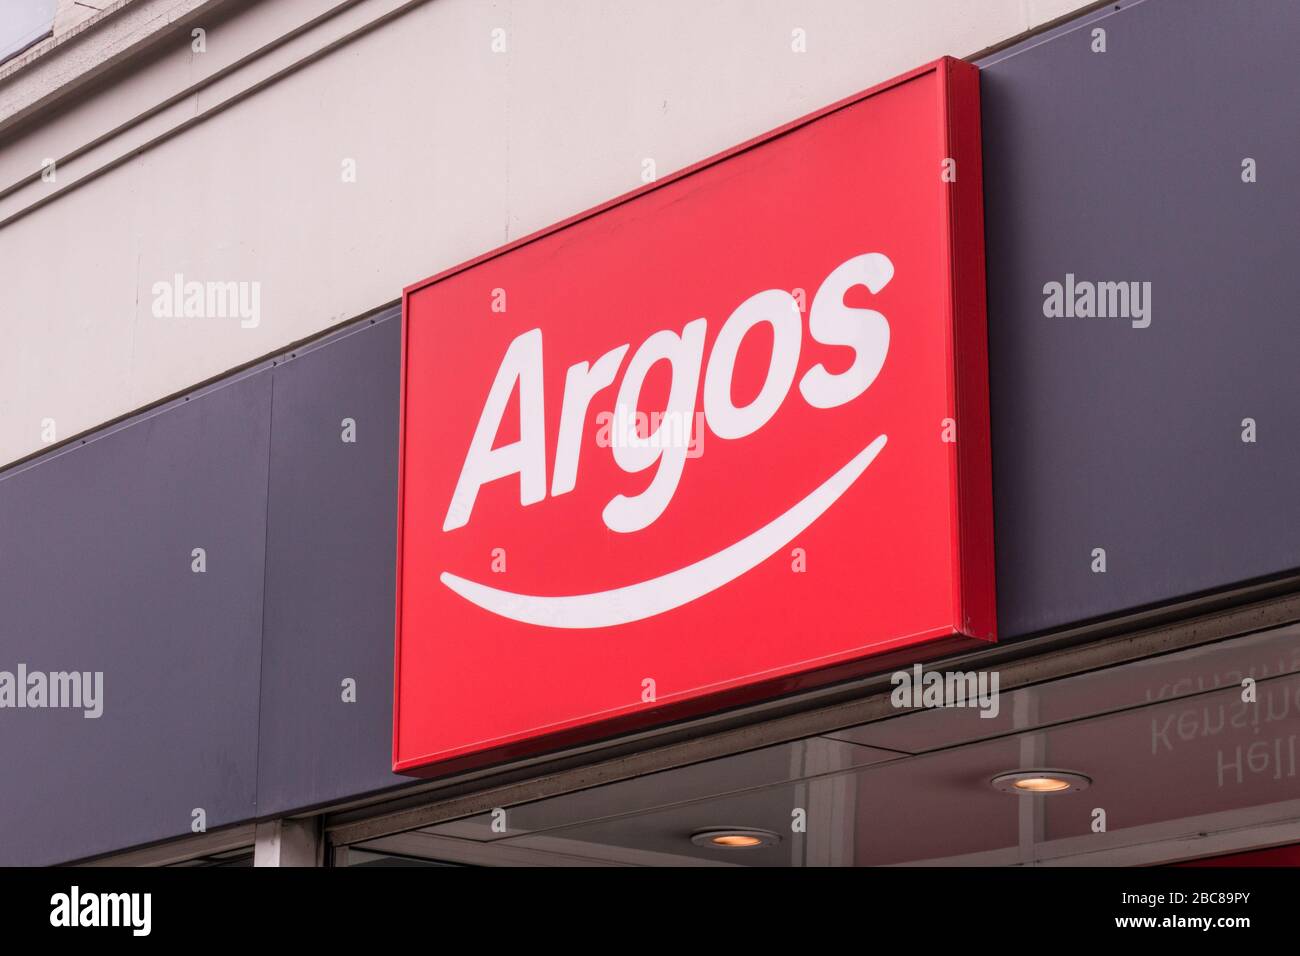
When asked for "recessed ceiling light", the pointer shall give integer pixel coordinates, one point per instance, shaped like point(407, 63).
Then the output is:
point(1040, 781)
point(734, 838)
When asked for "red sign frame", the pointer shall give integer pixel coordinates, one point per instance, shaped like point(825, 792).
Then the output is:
point(899, 566)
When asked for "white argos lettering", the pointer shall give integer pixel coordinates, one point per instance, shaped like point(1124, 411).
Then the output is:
point(526, 457)
point(632, 453)
point(779, 310)
point(830, 322)
point(581, 385)
point(866, 331)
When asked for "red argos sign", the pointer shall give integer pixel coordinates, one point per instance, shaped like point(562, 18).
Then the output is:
point(719, 439)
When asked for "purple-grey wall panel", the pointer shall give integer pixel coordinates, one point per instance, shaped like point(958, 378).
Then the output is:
point(97, 574)
point(1127, 166)
point(331, 556)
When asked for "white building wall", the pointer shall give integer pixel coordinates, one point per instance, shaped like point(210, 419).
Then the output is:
point(226, 165)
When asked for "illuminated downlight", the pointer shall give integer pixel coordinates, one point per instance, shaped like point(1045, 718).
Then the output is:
point(1040, 781)
point(733, 838)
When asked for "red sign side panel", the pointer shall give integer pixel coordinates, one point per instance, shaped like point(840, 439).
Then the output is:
point(974, 454)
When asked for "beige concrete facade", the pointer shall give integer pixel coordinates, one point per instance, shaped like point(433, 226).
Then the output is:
point(326, 153)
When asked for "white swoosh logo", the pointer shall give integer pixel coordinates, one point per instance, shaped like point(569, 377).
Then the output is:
point(648, 598)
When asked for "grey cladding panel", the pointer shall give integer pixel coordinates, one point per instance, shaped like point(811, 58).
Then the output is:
point(96, 575)
point(1127, 166)
point(331, 556)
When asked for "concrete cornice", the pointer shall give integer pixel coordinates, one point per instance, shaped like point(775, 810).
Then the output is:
point(68, 62)
point(88, 133)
